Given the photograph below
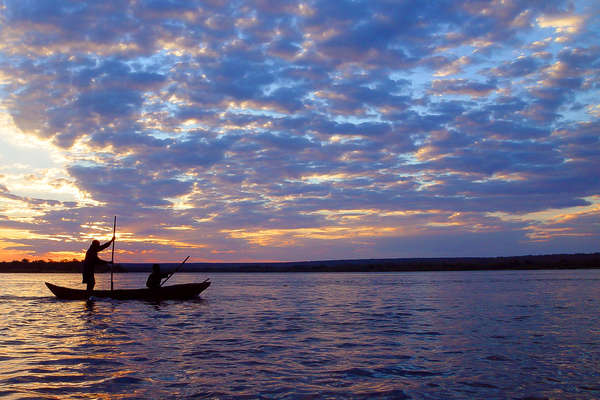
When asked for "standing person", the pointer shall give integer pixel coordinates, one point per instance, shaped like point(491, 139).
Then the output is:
point(91, 259)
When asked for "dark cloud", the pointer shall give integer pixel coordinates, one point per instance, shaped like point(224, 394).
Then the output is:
point(109, 103)
point(520, 67)
point(128, 187)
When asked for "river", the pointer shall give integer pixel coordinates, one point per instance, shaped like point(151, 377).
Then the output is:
point(405, 335)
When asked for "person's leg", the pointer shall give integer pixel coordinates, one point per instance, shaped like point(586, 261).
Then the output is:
point(90, 286)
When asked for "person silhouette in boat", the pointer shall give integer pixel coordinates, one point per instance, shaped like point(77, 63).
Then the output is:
point(156, 277)
point(91, 260)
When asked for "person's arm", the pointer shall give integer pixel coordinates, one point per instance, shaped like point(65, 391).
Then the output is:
point(105, 245)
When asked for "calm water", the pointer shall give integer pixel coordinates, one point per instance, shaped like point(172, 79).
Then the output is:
point(438, 335)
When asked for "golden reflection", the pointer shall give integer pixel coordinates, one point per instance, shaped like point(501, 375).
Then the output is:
point(428, 153)
point(330, 95)
point(179, 228)
point(509, 177)
point(183, 202)
point(445, 224)
point(550, 224)
point(10, 251)
point(368, 212)
point(554, 215)
point(129, 238)
point(288, 237)
point(593, 109)
point(18, 211)
point(319, 178)
point(208, 218)
point(62, 47)
point(247, 22)
point(17, 234)
point(305, 10)
point(480, 43)
point(63, 255)
point(540, 233)
point(4, 78)
point(454, 67)
point(562, 23)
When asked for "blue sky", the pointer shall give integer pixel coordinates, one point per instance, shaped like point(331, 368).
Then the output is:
point(285, 130)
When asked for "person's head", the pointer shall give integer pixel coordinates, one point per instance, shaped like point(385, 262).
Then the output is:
point(95, 244)
point(156, 268)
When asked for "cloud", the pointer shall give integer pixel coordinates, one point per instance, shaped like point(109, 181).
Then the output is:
point(462, 86)
point(249, 130)
point(519, 67)
point(454, 67)
point(127, 187)
point(562, 24)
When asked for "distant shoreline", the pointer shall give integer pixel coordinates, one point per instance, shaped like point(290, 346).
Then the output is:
point(529, 262)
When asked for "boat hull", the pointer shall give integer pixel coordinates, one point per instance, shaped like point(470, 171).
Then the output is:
point(175, 292)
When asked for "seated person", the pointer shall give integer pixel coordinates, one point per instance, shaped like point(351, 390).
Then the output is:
point(156, 277)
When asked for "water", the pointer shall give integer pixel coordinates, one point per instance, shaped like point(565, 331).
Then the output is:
point(430, 335)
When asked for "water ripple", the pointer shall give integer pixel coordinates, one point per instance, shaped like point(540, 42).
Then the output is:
point(453, 335)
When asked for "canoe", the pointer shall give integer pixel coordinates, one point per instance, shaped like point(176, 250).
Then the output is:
point(176, 292)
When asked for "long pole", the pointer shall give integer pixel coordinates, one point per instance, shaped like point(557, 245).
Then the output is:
point(112, 257)
point(176, 269)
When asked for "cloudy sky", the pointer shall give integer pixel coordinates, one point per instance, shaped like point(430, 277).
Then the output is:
point(258, 130)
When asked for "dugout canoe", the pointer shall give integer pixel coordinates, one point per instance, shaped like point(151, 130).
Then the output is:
point(173, 292)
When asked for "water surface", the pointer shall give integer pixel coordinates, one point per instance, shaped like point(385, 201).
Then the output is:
point(428, 335)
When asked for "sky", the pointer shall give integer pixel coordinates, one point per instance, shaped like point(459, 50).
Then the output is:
point(259, 130)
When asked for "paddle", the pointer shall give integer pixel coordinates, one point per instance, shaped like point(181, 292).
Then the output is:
point(176, 269)
point(112, 257)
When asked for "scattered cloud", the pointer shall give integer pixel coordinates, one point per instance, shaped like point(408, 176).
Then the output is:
point(262, 130)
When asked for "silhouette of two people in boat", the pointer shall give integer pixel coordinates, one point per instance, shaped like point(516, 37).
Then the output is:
point(91, 260)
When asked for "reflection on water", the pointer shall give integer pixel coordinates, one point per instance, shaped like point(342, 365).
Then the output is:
point(447, 335)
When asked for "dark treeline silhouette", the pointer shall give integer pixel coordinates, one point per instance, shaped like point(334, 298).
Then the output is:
point(550, 261)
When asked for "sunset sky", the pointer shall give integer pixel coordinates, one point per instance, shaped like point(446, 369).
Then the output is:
point(282, 130)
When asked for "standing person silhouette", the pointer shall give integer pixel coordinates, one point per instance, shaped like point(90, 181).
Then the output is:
point(91, 259)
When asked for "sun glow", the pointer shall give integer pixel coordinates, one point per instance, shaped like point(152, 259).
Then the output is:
point(287, 237)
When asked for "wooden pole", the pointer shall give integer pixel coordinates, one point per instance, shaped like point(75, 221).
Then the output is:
point(176, 269)
point(112, 257)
